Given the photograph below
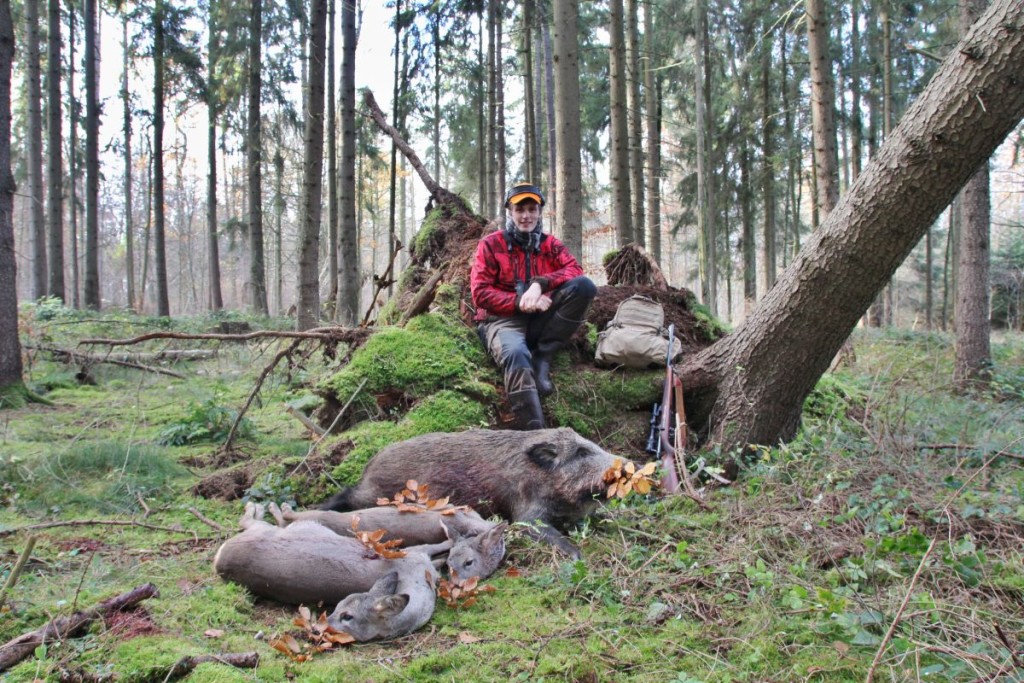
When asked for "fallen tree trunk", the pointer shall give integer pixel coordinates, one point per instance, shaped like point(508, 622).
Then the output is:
point(749, 388)
point(60, 628)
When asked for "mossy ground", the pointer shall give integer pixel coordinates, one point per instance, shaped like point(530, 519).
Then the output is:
point(795, 573)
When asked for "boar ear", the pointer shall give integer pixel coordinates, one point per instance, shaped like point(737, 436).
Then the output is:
point(544, 455)
point(391, 605)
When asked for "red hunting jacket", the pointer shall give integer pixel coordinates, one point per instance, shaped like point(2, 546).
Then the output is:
point(497, 266)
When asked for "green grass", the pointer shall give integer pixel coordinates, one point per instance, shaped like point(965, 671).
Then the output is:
point(795, 573)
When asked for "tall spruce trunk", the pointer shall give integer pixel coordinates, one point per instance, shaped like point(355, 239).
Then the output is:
point(569, 182)
point(129, 222)
point(254, 150)
point(622, 215)
point(652, 115)
point(973, 351)
point(34, 152)
point(54, 155)
point(634, 122)
point(216, 298)
point(348, 239)
point(768, 184)
point(308, 308)
point(91, 293)
point(823, 127)
point(332, 165)
point(11, 382)
point(707, 238)
point(163, 305)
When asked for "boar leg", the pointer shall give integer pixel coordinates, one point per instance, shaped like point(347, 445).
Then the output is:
point(541, 530)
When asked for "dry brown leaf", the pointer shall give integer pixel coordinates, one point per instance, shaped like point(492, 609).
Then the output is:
point(467, 639)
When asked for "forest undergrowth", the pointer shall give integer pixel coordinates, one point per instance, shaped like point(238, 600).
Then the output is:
point(883, 544)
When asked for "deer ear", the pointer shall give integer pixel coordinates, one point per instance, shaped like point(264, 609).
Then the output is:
point(495, 537)
point(452, 532)
point(385, 585)
point(391, 605)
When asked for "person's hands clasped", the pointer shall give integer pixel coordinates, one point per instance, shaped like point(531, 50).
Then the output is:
point(534, 300)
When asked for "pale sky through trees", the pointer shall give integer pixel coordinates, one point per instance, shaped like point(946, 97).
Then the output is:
point(374, 66)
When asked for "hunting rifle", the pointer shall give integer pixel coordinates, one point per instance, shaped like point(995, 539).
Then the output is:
point(666, 418)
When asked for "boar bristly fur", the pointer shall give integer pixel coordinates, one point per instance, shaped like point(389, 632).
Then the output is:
point(548, 478)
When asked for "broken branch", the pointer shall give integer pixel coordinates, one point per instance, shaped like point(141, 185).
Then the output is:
point(57, 629)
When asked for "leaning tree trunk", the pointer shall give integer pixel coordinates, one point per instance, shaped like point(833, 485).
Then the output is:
point(750, 387)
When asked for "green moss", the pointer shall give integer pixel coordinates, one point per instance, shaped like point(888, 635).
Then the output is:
point(833, 396)
point(707, 323)
point(595, 399)
point(432, 353)
point(149, 657)
point(446, 411)
point(431, 222)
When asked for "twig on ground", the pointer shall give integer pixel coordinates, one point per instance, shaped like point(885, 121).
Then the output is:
point(313, 427)
point(205, 520)
point(185, 665)
point(229, 442)
point(19, 566)
point(334, 422)
point(384, 281)
point(95, 522)
point(138, 496)
point(920, 567)
point(57, 629)
point(89, 359)
point(1002, 636)
point(342, 334)
point(899, 613)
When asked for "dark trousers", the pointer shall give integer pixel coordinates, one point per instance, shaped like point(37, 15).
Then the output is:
point(513, 341)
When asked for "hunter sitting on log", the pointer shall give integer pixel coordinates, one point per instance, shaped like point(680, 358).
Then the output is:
point(530, 295)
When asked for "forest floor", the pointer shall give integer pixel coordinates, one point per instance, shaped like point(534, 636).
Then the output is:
point(885, 543)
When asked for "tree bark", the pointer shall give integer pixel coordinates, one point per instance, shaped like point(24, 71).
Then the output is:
point(308, 308)
point(34, 153)
point(129, 223)
point(254, 149)
point(706, 234)
point(569, 183)
point(347, 312)
point(216, 298)
point(973, 352)
point(91, 293)
point(635, 121)
point(750, 387)
point(619, 143)
point(530, 111)
point(768, 184)
point(652, 114)
point(826, 166)
point(332, 164)
point(54, 155)
point(75, 110)
point(10, 347)
point(163, 305)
